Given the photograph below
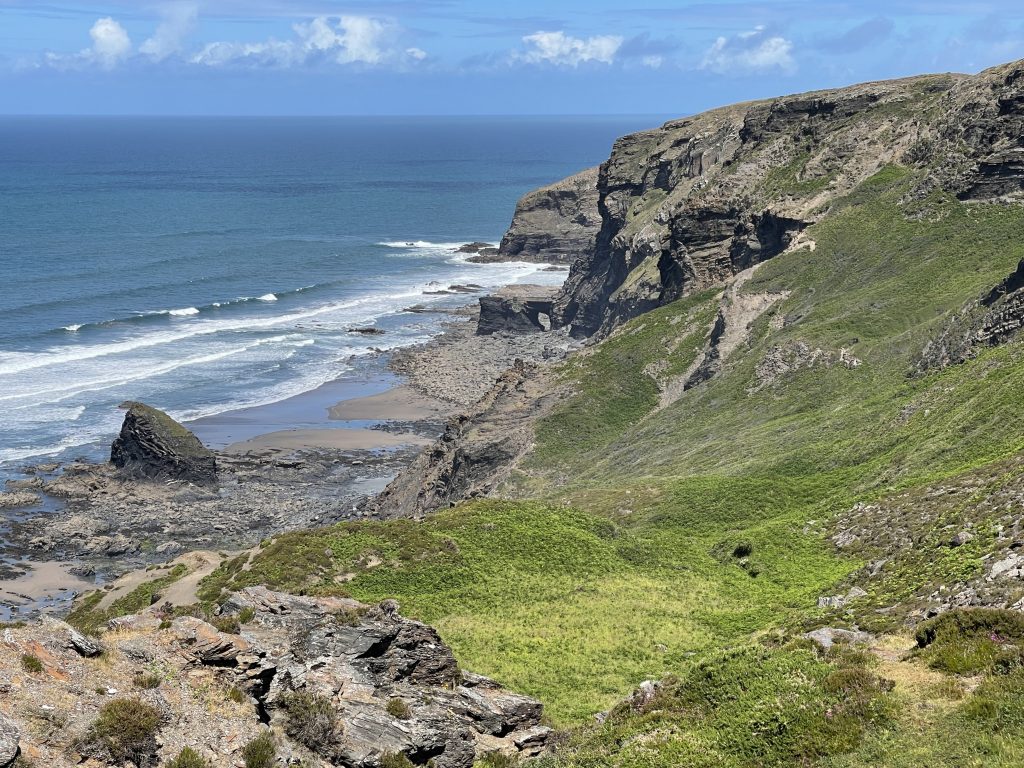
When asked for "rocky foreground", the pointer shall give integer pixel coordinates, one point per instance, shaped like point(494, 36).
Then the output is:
point(331, 682)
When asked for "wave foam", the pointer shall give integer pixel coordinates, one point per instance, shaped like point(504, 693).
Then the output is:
point(186, 312)
point(420, 244)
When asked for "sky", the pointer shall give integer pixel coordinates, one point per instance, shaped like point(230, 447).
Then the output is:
point(465, 57)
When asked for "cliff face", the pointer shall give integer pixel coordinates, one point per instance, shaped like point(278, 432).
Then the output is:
point(555, 224)
point(688, 205)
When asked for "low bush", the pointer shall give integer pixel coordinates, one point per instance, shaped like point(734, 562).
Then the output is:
point(227, 623)
point(395, 760)
point(147, 680)
point(261, 752)
point(236, 695)
point(310, 719)
point(498, 760)
point(31, 663)
point(399, 709)
point(188, 758)
point(126, 730)
point(973, 640)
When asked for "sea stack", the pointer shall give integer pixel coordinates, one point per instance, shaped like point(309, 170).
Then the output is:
point(153, 445)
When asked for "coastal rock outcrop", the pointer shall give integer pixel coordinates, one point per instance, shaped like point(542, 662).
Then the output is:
point(337, 682)
point(478, 449)
point(689, 205)
point(556, 223)
point(990, 320)
point(516, 309)
point(153, 445)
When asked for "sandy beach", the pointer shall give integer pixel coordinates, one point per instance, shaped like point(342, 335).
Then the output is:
point(291, 440)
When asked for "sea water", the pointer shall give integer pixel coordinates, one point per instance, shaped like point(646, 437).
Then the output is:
point(204, 265)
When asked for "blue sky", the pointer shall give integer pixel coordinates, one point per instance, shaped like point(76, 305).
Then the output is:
point(320, 57)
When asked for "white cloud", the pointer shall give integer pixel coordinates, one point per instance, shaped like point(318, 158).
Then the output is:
point(562, 49)
point(654, 62)
point(750, 52)
point(341, 40)
point(110, 46)
point(110, 43)
point(169, 38)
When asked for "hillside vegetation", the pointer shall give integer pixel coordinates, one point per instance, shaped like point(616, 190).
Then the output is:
point(683, 511)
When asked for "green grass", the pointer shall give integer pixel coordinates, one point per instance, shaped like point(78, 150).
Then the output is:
point(551, 601)
point(88, 617)
point(985, 730)
point(753, 707)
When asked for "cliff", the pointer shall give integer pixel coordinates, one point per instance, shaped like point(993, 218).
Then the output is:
point(556, 223)
point(691, 204)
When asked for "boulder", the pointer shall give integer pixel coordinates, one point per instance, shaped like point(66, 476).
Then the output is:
point(826, 637)
point(71, 638)
point(153, 445)
point(9, 737)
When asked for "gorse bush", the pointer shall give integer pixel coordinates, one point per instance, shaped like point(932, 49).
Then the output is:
point(397, 708)
point(310, 719)
point(236, 695)
point(261, 752)
point(498, 760)
point(147, 680)
point(395, 760)
point(126, 730)
point(188, 758)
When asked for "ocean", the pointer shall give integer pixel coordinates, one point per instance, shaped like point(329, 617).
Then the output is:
point(206, 265)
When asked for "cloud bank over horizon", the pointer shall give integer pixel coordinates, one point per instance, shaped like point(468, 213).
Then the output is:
point(473, 56)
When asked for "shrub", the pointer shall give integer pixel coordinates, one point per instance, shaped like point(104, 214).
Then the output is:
point(260, 752)
point(126, 730)
point(310, 719)
point(236, 694)
point(498, 760)
point(398, 709)
point(188, 758)
point(31, 663)
point(228, 624)
point(972, 640)
point(349, 617)
point(395, 760)
point(147, 680)
point(246, 615)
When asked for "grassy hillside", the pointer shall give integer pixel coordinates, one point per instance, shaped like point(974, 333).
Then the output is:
point(693, 540)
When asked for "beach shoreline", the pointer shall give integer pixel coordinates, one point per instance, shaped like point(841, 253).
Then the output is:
point(309, 460)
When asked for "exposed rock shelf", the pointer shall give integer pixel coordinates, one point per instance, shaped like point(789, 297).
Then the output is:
point(384, 685)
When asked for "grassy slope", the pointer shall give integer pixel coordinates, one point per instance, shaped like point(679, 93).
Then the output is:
point(627, 564)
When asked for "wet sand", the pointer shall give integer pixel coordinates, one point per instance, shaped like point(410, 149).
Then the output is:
point(48, 584)
point(399, 404)
point(291, 440)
